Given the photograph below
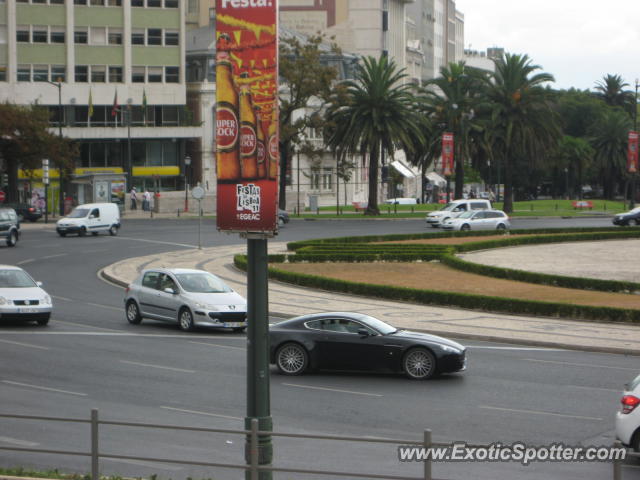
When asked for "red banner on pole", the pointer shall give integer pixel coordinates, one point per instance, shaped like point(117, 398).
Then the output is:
point(247, 152)
point(447, 154)
point(632, 153)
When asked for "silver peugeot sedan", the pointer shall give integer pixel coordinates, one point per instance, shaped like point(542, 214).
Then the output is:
point(191, 298)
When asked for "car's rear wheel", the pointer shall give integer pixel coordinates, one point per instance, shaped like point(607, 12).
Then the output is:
point(113, 230)
point(12, 239)
point(501, 226)
point(133, 312)
point(419, 364)
point(465, 227)
point(43, 321)
point(635, 441)
point(82, 232)
point(292, 359)
point(185, 319)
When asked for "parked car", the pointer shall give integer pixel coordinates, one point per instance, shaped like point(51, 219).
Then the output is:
point(22, 298)
point(401, 201)
point(455, 208)
point(91, 217)
point(632, 217)
point(628, 417)
point(190, 298)
point(478, 220)
point(354, 341)
point(9, 226)
point(283, 217)
point(26, 211)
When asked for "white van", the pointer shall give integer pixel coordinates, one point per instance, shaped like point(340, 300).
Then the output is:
point(455, 208)
point(90, 217)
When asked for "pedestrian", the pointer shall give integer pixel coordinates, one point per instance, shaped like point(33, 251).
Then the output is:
point(146, 200)
point(134, 199)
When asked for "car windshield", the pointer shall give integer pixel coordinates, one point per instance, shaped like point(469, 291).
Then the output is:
point(15, 279)
point(448, 207)
point(468, 214)
point(379, 325)
point(202, 283)
point(78, 213)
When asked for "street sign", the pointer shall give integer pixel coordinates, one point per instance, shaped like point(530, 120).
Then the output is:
point(197, 193)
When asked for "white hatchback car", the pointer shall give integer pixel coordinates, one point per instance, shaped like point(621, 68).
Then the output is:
point(628, 417)
point(22, 298)
point(187, 297)
point(454, 209)
point(479, 220)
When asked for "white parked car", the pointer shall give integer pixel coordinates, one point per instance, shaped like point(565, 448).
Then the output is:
point(478, 220)
point(188, 297)
point(628, 417)
point(22, 298)
point(401, 201)
point(455, 208)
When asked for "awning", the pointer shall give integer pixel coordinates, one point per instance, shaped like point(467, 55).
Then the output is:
point(402, 169)
point(436, 179)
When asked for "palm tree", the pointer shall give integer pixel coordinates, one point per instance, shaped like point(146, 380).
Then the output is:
point(611, 90)
point(379, 116)
point(450, 100)
point(525, 126)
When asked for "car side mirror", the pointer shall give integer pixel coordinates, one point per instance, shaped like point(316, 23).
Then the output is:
point(363, 332)
point(39, 284)
point(170, 290)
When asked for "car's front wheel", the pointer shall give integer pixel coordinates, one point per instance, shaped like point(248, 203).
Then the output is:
point(419, 364)
point(465, 227)
point(82, 232)
point(635, 221)
point(501, 226)
point(43, 321)
point(292, 359)
point(185, 319)
point(133, 312)
point(113, 230)
point(12, 239)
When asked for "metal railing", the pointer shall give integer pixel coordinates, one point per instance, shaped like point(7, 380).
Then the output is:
point(617, 464)
point(252, 435)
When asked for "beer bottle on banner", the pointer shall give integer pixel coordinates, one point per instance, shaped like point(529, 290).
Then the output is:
point(262, 145)
point(248, 137)
point(227, 127)
point(272, 145)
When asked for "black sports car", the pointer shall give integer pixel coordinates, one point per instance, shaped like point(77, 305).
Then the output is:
point(353, 341)
point(632, 217)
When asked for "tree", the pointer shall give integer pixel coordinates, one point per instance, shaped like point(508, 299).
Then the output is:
point(611, 90)
point(379, 117)
point(525, 127)
point(25, 141)
point(575, 155)
point(306, 80)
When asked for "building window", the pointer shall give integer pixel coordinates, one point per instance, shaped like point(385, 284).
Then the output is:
point(98, 36)
point(327, 179)
point(58, 73)
point(115, 74)
point(137, 36)
point(115, 3)
point(137, 74)
point(38, 1)
point(41, 73)
point(57, 35)
point(155, 75)
point(56, 2)
point(171, 38)
point(81, 73)
point(79, 2)
point(98, 74)
point(171, 74)
point(97, 3)
point(39, 35)
point(3, 34)
point(154, 36)
point(80, 36)
point(170, 115)
point(193, 6)
point(22, 34)
point(154, 3)
point(115, 36)
point(24, 73)
point(137, 3)
point(170, 3)
point(3, 73)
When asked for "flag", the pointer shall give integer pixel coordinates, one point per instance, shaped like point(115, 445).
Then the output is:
point(116, 107)
point(144, 105)
point(90, 104)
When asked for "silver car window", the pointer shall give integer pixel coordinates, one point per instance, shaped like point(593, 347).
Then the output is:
point(150, 279)
point(167, 282)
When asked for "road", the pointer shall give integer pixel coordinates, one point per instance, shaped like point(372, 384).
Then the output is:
point(89, 357)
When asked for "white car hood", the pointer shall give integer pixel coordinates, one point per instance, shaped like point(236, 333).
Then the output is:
point(230, 298)
point(68, 221)
point(31, 293)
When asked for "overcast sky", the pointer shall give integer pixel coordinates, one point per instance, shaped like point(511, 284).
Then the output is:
point(577, 41)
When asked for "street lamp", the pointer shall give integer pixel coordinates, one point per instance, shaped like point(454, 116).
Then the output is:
point(632, 202)
point(187, 162)
point(58, 85)
point(45, 179)
point(566, 182)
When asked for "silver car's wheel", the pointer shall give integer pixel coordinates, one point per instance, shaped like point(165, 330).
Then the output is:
point(12, 239)
point(133, 313)
point(465, 227)
point(419, 364)
point(501, 226)
point(292, 359)
point(185, 319)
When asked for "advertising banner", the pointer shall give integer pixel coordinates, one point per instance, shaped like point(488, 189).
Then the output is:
point(632, 153)
point(247, 152)
point(447, 154)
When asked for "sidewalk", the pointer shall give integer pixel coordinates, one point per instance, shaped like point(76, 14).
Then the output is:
point(288, 300)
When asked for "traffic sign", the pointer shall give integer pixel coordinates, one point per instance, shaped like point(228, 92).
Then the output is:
point(197, 193)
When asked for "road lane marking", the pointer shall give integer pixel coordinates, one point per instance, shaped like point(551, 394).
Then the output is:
point(311, 387)
point(37, 387)
point(24, 262)
point(63, 322)
point(217, 345)
point(195, 412)
point(15, 441)
point(158, 366)
point(55, 256)
point(580, 364)
point(94, 251)
point(523, 349)
point(155, 241)
point(62, 298)
point(120, 309)
point(24, 344)
point(535, 412)
point(619, 390)
point(111, 333)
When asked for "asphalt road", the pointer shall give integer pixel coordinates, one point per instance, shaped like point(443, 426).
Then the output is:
point(89, 357)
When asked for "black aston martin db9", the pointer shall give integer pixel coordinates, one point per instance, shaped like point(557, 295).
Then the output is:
point(353, 341)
